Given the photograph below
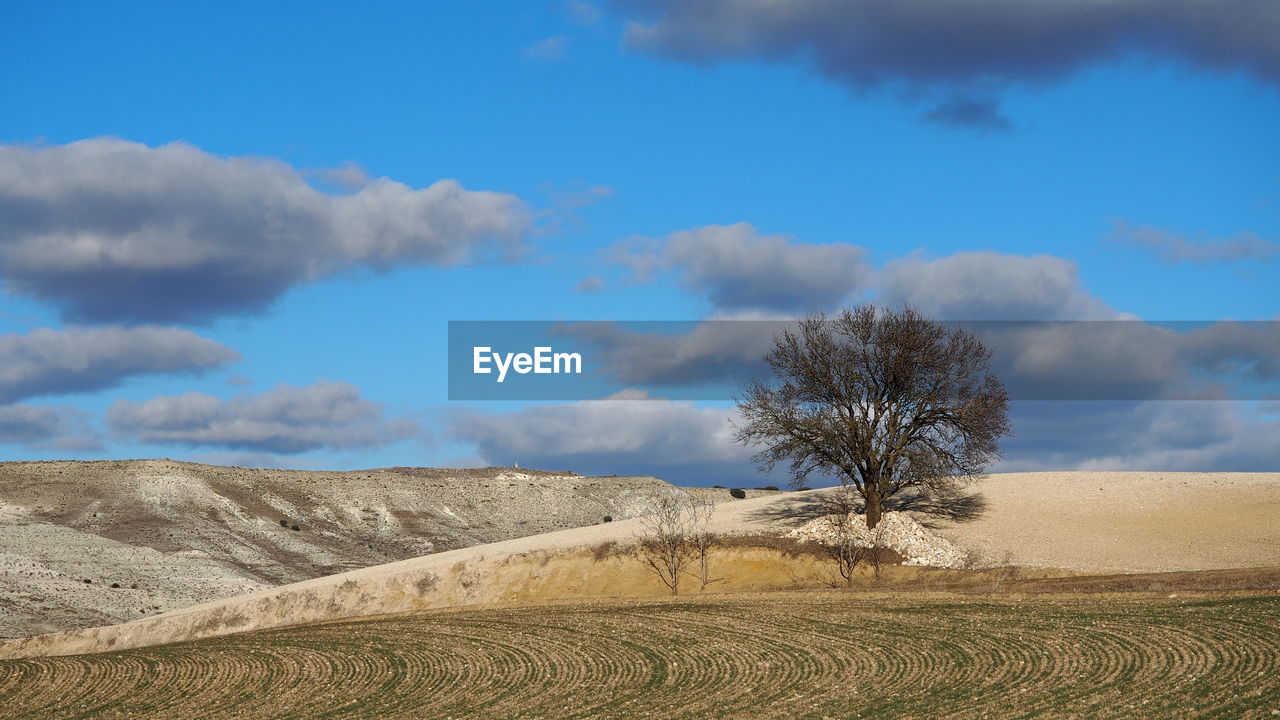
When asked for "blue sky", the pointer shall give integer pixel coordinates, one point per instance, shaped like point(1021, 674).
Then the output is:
point(1140, 179)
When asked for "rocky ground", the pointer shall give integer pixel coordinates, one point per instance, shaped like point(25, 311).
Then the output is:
point(92, 543)
point(897, 531)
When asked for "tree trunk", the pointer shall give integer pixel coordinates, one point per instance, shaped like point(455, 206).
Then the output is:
point(873, 506)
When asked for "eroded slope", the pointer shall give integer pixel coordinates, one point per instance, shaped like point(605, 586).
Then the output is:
point(170, 534)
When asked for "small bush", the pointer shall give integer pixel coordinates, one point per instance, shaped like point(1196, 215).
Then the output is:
point(608, 518)
point(284, 523)
point(719, 487)
point(294, 527)
point(87, 581)
point(770, 487)
point(603, 550)
point(115, 585)
point(738, 493)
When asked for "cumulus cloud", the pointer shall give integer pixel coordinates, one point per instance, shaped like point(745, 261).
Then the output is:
point(79, 359)
point(684, 443)
point(1248, 349)
point(737, 268)
point(1090, 360)
point(673, 440)
point(712, 352)
point(1051, 339)
point(963, 51)
point(111, 230)
point(287, 419)
point(1056, 360)
point(349, 176)
point(985, 285)
point(1221, 436)
point(47, 428)
point(1173, 248)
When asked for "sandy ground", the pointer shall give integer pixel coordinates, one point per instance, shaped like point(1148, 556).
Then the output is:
point(1126, 521)
point(1137, 522)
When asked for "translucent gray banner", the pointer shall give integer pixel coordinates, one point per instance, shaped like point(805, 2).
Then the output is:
point(711, 360)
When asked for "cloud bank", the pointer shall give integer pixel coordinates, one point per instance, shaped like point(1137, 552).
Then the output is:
point(114, 231)
point(738, 269)
point(287, 420)
point(1174, 248)
point(79, 359)
point(960, 54)
point(985, 285)
point(683, 443)
point(674, 440)
point(47, 428)
point(1206, 436)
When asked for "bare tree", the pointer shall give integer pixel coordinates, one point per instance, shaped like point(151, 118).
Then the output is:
point(665, 546)
point(701, 537)
point(841, 546)
point(881, 400)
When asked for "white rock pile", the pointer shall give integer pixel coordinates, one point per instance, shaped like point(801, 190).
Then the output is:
point(897, 531)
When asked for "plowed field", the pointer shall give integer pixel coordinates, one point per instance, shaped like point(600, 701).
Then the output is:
point(784, 655)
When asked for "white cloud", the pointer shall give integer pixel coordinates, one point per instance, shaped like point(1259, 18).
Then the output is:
point(110, 230)
point(286, 419)
point(959, 56)
point(48, 428)
point(1203, 435)
point(739, 269)
point(1173, 248)
point(985, 285)
point(674, 440)
point(46, 361)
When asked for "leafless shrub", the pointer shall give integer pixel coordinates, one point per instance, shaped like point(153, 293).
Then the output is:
point(701, 537)
point(847, 547)
point(665, 545)
point(677, 534)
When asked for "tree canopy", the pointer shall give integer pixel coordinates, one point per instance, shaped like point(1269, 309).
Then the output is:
point(880, 399)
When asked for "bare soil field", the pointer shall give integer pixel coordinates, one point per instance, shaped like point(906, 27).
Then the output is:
point(775, 655)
